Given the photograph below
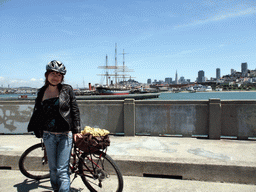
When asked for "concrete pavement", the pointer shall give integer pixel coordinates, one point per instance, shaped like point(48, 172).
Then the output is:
point(230, 161)
point(11, 181)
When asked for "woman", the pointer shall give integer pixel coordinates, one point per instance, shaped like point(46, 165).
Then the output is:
point(55, 118)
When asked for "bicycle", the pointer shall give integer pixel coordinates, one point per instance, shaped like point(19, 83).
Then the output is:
point(98, 171)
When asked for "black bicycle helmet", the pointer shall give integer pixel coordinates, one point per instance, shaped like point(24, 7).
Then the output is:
point(56, 66)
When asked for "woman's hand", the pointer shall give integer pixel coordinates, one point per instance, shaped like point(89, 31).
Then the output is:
point(77, 135)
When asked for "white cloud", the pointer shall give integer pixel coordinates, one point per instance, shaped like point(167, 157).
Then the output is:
point(15, 81)
point(33, 82)
point(33, 79)
point(236, 11)
point(249, 11)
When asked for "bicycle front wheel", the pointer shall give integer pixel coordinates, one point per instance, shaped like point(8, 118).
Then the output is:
point(100, 173)
point(33, 164)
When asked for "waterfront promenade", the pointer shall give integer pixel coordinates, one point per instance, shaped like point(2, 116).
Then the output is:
point(195, 164)
point(14, 181)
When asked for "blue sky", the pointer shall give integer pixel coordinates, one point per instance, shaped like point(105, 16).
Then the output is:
point(159, 38)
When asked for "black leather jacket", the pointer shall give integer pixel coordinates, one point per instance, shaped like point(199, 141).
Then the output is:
point(67, 106)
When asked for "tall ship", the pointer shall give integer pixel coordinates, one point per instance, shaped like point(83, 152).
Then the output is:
point(113, 85)
point(115, 72)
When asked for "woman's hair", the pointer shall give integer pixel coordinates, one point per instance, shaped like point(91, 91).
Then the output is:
point(46, 82)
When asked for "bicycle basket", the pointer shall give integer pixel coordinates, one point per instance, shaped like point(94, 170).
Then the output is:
point(89, 143)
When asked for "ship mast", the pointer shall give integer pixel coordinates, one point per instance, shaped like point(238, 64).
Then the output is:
point(116, 69)
point(123, 66)
point(116, 65)
point(107, 70)
point(125, 69)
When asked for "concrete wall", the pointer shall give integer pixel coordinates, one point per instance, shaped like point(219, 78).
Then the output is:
point(209, 118)
point(184, 118)
point(238, 119)
point(103, 114)
point(15, 115)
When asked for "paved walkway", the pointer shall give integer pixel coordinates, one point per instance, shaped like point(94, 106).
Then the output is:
point(11, 181)
point(231, 161)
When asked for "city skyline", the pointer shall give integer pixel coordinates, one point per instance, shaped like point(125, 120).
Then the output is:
point(158, 38)
point(168, 80)
point(201, 73)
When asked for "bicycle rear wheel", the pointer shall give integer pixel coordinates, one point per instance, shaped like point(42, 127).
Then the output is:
point(100, 173)
point(32, 163)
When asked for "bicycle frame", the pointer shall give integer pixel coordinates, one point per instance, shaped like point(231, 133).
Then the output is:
point(94, 167)
point(81, 156)
point(73, 165)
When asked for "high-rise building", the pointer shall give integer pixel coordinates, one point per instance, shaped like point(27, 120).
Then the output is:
point(149, 81)
point(218, 73)
point(168, 80)
point(182, 80)
point(201, 77)
point(176, 78)
point(244, 69)
point(233, 71)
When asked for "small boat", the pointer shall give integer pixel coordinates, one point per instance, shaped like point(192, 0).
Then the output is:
point(204, 89)
point(23, 97)
point(208, 88)
point(218, 89)
point(175, 91)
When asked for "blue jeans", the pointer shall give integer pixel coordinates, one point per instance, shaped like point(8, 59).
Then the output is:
point(58, 149)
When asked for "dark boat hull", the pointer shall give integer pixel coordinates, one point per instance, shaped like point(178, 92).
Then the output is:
point(119, 97)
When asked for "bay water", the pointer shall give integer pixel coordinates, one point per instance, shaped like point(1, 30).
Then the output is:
point(225, 95)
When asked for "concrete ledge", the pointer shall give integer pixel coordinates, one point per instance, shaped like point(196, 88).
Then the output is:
point(222, 160)
point(187, 171)
point(9, 161)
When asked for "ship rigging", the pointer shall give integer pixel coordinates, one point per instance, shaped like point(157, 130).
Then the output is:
point(115, 70)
